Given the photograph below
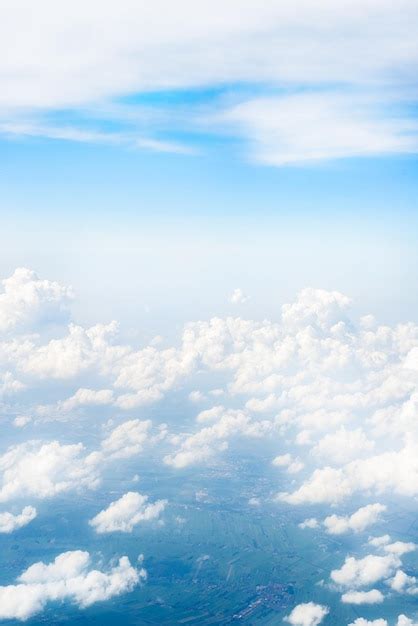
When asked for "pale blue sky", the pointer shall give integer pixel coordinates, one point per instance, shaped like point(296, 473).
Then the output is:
point(178, 155)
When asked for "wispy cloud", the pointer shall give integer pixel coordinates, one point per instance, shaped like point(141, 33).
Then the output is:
point(70, 133)
point(86, 55)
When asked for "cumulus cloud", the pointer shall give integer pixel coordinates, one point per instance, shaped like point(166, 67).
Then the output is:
point(68, 578)
point(204, 444)
point(343, 446)
point(357, 522)
point(377, 542)
point(374, 596)
point(400, 547)
point(9, 384)
point(395, 471)
point(127, 439)
point(313, 377)
point(402, 621)
point(87, 397)
point(402, 583)
point(360, 621)
point(370, 569)
point(124, 514)
point(26, 301)
point(238, 297)
point(307, 614)
point(10, 522)
point(44, 470)
point(311, 522)
point(293, 466)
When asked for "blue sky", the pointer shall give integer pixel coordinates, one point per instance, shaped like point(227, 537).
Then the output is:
point(276, 146)
point(109, 215)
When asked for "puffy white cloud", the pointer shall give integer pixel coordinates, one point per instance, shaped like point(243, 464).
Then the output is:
point(366, 571)
point(87, 397)
point(80, 350)
point(63, 409)
point(69, 577)
point(343, 446)
point(45, 469)
point(405, 621)
point(196, 396)
point(210, 415)
point(390, 471)
point(357, 522)
point(377, 542)
point(402, 583)
point(293, 466)
point(127, 439)
point(374, 596)
point(311, 522)
point(21, 421)
point(10, 522)
point(26, 301)
point(238, 297)
point(315, 307)
point(204, 444)
point(402, 621)
point(124, 514)
point(9, 384)
point(317, 378)
point(360, 621)
point(307, 614)
point(400, 547)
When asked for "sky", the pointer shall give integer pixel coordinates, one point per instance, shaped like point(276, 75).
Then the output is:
point(210, 208)
point(274, 146)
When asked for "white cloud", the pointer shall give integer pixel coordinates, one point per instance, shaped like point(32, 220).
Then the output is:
point(81, 349)
point(9, 384)
point(210, 415)
point(127, 439)
point(196, 396)
point(311, 522)
point(10, 522)
point(360, 621)
point(402, 621)
point(343, 446)
point(402, 583)
point(390, 471)
point(374, 596)
point(124, 514)
point(21, 421)
point(69, 577)
point(400, 547)
point(45, 469)
point(293, 466)
point(238, 297)
point(203, 445)
point(405, 621)
point(307, 614)
point(147, 48)
point(377, 542)
point(322, 125)
point(87, 397)
point(366, 571)
point(357, 522)
point(27, 301)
